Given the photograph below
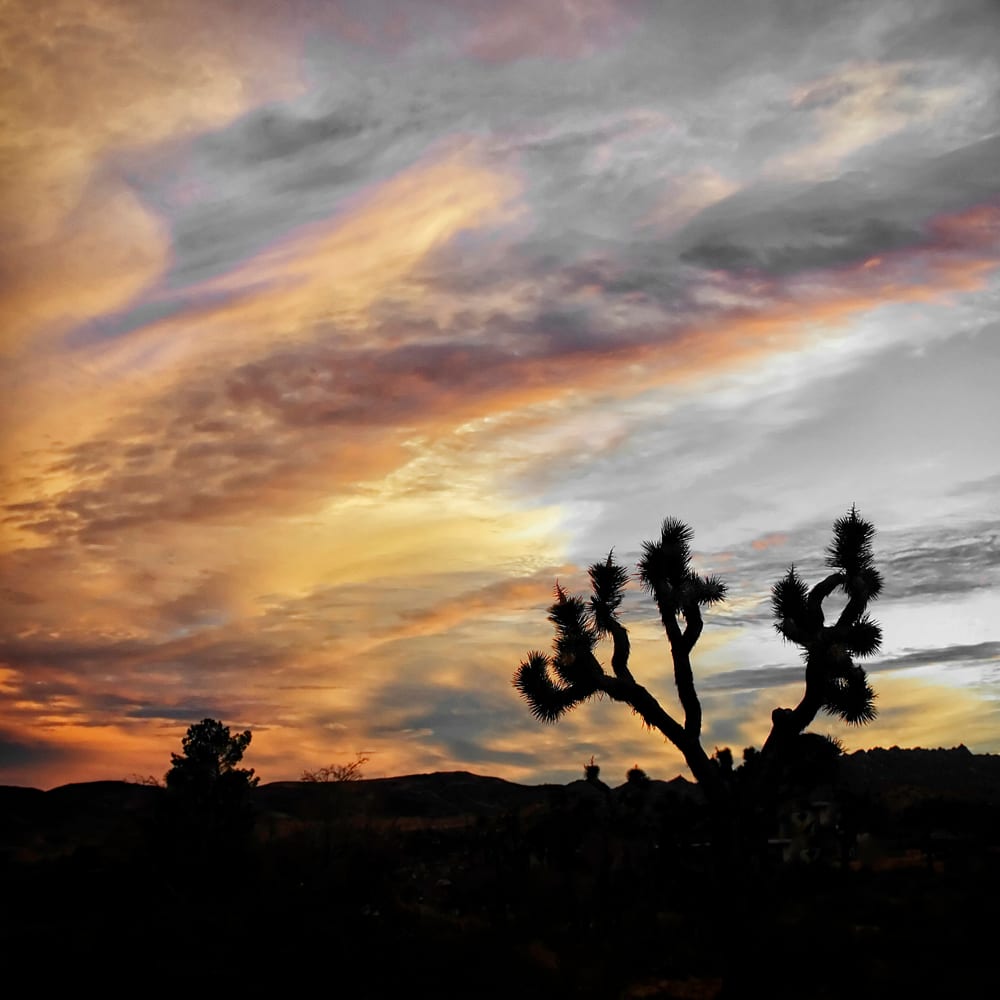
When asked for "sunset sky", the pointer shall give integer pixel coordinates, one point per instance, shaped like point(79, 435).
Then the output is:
point(335, 331)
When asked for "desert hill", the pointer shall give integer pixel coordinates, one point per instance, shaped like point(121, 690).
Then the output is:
point(895, 779)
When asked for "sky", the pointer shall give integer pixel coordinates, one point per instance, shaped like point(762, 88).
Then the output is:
point(334, 333)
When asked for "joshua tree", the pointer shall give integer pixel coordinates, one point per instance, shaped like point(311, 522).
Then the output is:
point(834, 682)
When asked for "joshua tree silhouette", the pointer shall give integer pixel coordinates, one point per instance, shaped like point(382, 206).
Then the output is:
point(834, 681)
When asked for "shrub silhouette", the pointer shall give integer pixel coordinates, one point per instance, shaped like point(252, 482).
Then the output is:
point(334, 808)
point(553, 685)
point(337, 773)
point(636, 776)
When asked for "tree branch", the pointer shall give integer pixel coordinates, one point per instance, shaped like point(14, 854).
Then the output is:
point(683, 677)
point(788, 722)
point(822, 591)
point(853, 610)
point(693, 629)
point(652, 712)
point(622, 649)
point(656, 717)
point(793, 633)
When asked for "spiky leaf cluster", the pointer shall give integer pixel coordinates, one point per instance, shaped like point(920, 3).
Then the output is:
point(552, 685)
point(850, 551)
point(665, 571)
point(794, 617)
point(608, 581)
point(863, 637)
point(848, 694)
point(575, 637)
point(790, 596)
point(548, 699)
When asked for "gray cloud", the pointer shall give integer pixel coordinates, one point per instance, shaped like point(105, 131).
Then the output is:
point(961, 29)
point(944, 560)
point(754, 678)
point(781, 229)
point(824, 242)
point(18, 755)
point(987, 486)
point(372, 112)
point(958, 655)
point(777, 675)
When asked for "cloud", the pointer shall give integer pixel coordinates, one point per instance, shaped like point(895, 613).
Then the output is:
point(503, 597)
point(776, 675)
point(916, 713)
point(912, 712)
point(18, 756)
point(138, 79)
point(287, 292)
point(525, 29)
point(332, 414)
point(861, 104)
point(772, 540)
point(987, 485)
point(960, 30)
point(944, 560)
point(782, 229)
point(88, 271)
point(963, 655)
point(688, 195)
point(329, 273)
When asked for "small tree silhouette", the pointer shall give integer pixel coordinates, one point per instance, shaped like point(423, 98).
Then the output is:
point(206, 770)
point(210, 811)
point(834, 682)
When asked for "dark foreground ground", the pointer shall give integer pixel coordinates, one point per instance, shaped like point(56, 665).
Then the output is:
point(460, 886)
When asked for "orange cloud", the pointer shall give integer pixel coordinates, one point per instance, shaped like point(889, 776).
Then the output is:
point(769, 541)
point(327, 273)
point(522, 29)
point(505, 597)
point(107, 251)
point(330, 272)
point(859, 105)
point(94, 79)
point(336, 270)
